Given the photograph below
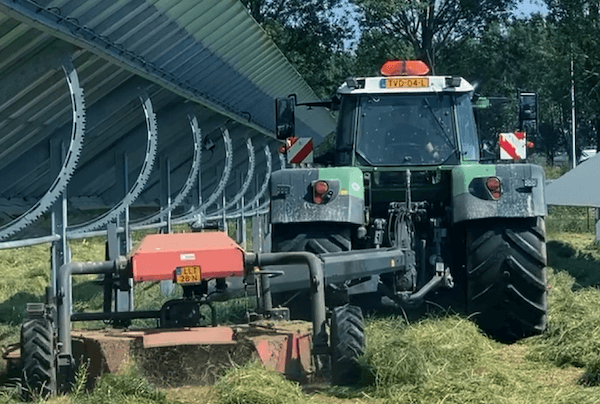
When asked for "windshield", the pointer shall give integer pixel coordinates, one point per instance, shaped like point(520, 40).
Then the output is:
point(415, 129)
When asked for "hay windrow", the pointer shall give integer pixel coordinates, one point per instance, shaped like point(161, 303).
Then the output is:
point(398, 354)
point(253, 384)
point(573, 335)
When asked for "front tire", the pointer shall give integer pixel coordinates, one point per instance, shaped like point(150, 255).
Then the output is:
point(347, 342)
point(506, 277)
point(38, 376)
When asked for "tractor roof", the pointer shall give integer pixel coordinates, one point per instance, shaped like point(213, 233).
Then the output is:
point(405, 84)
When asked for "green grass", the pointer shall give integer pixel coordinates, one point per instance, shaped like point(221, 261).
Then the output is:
point(436, 360)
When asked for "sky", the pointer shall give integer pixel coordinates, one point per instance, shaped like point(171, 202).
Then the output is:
point(527, 7)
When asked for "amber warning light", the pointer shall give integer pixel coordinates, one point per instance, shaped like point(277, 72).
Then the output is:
point(404, 68)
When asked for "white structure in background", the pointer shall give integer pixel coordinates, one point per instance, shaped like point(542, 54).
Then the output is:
point(578, 187)
point(586, 154)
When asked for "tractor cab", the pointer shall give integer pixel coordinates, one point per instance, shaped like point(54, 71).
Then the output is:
point(405, 118)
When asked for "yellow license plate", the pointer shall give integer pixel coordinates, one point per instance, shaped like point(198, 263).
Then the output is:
point(407, 82)
point(188, 274)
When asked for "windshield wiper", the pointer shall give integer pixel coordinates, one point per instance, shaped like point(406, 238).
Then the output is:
point(455, 152)
point(441, 125)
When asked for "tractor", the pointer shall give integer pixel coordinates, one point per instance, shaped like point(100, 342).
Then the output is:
point(400, 213)
point(405, 174)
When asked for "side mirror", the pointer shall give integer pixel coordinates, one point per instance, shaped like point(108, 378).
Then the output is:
point(336, 102)
point(528, 112)
point(284, 117)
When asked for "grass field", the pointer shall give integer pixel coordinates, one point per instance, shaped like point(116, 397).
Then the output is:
point(436, 360)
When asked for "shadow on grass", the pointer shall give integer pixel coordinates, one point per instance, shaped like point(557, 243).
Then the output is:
point(583, 266)
point(13, 310)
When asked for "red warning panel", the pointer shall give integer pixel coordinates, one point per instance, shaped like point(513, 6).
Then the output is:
point(300, 150)
point(187, 257)
point(513, 146)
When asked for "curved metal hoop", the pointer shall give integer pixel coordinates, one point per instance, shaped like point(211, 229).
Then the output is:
point(220, 186)
point(249, 210)
point(68, 168)
point(265, 184)
point(247, 180)
point(189, 182)
point(141, 180)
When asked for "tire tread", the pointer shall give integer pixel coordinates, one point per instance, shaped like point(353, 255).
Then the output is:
point(506, 277)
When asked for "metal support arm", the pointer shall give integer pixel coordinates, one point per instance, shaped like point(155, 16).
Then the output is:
point(64, 293)
point(317, 287)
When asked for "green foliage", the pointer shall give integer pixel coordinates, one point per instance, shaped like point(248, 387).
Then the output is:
point(311, 35)
point(253, 384)
point(9, 396)
point(429, 26)
point(554, 172)
point(591, 377)
point(81, 376)
point(25, 275)
point(126, 387)
point(571, 219)
point(375, 48)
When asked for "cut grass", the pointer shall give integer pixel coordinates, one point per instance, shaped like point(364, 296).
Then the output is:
point(449, 360)
point(435, 360)
point(252, 383)
point(573, 335)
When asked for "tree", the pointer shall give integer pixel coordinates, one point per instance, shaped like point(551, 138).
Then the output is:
point(430, 25)
point(311, 34)
point(578, 23)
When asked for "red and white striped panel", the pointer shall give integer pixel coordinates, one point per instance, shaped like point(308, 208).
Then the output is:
point(513, 146)
point(300, 150)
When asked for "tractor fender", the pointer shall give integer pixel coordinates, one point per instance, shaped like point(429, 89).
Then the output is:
point(522, 192)
point(292, 195)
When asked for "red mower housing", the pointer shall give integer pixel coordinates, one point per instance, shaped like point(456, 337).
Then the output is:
point(187, 257)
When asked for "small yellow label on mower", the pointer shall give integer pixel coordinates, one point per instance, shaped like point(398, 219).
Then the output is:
point(191, 274)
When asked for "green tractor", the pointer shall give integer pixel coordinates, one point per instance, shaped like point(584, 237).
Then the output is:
point(405, 173)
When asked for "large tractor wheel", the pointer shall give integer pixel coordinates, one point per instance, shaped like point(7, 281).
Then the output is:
point(317, 238)
point(347, 342)
point(38, 358)
point(506, 277)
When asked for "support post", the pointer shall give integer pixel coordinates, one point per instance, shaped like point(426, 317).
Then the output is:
point(60, 254)
point(225, 229)
point(125, 237)
point(573, 117)
point(165, 185)
point(243, 224)
point(257, 226)
point(166, 287)
point(597, 225)
point(119, 243)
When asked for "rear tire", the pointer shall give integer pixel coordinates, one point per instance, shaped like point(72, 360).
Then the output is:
point(506, 277)
point(347, 343)
point(317, 238)
point(38, 376)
